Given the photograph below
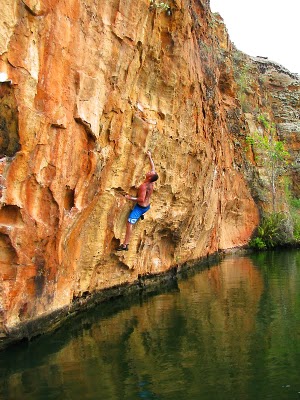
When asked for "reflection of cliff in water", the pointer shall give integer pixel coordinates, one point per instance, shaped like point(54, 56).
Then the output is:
point(219, 331)
point(276, 340)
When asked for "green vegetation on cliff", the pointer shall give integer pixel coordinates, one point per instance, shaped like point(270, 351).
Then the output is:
point(271, 153)
point(276, 227)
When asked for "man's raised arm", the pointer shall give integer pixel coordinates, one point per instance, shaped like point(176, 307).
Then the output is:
point(151, 161)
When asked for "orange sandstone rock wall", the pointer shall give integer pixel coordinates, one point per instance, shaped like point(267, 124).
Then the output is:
point(95, 84)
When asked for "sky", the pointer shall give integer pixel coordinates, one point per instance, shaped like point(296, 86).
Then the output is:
point(268, 28)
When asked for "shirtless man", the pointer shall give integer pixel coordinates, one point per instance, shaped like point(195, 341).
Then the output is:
point(143, 202)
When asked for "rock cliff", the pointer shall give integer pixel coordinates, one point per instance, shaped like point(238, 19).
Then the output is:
point(267, 88)
point(87, 88)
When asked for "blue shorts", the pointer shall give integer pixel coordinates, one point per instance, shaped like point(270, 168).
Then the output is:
point(136, 213)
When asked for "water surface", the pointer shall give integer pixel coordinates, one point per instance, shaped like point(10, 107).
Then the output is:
point(231, 331)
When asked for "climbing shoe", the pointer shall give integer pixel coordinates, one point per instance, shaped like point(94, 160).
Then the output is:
point(122, 247)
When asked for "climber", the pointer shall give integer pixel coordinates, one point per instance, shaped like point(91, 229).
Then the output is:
point(143, 203)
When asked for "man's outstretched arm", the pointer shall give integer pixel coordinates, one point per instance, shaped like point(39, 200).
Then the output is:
point(151, 161)
point(141, 195)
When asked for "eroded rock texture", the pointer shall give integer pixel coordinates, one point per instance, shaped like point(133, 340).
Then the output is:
point(95, 85)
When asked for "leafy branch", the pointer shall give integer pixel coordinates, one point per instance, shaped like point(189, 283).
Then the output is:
point(272, 152)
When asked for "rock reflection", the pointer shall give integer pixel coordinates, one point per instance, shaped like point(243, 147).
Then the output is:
point(205, 338)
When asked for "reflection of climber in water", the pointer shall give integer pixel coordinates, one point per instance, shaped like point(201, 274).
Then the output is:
point(143, 202)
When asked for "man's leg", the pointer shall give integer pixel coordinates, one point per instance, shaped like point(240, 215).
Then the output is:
point(128, 232)
point(134, 216)
point(124, 245)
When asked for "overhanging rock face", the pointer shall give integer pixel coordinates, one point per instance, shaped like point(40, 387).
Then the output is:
point(95, 84)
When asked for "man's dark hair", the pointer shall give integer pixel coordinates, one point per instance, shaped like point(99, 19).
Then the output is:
point(154, 177)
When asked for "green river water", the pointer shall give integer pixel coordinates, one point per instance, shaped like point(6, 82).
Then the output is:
point(230, 331)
